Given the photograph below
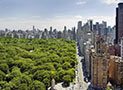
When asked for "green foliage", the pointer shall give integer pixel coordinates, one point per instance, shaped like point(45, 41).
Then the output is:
point(108, 88)
point(66, 65)
point(2, 76)
point(67, 80)
point(4, 67)
point(23, 86)
point(30, 64)
point(37, 85)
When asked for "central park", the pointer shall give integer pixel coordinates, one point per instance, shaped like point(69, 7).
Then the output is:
point(31, 64)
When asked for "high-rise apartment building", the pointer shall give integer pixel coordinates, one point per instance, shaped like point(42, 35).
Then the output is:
point(99, 65)
point(115, 70)
point(99, 72)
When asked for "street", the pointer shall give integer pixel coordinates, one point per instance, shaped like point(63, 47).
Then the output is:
point(79, 84)
point(82, 85)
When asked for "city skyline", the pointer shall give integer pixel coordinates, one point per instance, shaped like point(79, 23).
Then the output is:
point(44, 13)
point(88, 56)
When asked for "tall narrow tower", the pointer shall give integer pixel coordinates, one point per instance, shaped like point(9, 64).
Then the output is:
point(119, 22)
point(79, 28)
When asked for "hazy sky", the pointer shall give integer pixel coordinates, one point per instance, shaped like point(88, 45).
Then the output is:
point(23, 14)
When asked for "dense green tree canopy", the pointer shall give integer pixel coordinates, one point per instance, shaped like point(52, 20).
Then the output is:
point(31, 64)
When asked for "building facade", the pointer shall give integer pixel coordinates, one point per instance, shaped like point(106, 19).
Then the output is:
point(99, 65)
point(116, 70)
point(119, 22)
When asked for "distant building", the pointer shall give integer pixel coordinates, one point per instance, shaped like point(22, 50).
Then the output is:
point(74, 33)
point(65, 32)
point(79, 25)
point(96, 28)
point(33, 28)
point(90, 23)
point(79, 30)
point(100, 28)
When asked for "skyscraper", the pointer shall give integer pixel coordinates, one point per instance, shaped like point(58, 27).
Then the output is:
point(90, 23)
point(79, 29)
point(33, 28)
point(119, 22)
point(79, 24)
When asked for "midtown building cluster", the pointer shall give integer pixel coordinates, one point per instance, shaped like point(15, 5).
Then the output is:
point(102, 48)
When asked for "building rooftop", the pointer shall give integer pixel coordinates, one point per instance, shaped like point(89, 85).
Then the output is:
point(120, 5)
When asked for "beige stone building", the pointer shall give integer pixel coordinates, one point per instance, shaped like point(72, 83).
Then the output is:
point(116, 70)
point(99, 71)
point(99, 65)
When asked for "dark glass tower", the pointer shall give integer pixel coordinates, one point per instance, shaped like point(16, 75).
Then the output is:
point(119, 22)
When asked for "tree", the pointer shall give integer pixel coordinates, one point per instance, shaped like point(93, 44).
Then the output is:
point(22, 69)
point(10, 86)
point(2, 84)
point(52, 74)
point(108, 88)
point(23, 86)
point(2, 76)
point(66, 80)
point(25, 79)
point(66, 65)
point(37, 85)
point(4, 67)
point(15, 73)
point(41, 74)
point(7, 85)
point(47, 82)
point(71, 72)
point(24, 64)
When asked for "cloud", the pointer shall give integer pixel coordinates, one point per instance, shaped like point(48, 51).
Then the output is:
point(57, 22)
point(78, 16)
point(109, 19)
point(81, 2)
point(109, 2)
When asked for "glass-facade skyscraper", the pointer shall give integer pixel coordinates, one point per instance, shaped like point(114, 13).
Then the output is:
point(119, 22)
